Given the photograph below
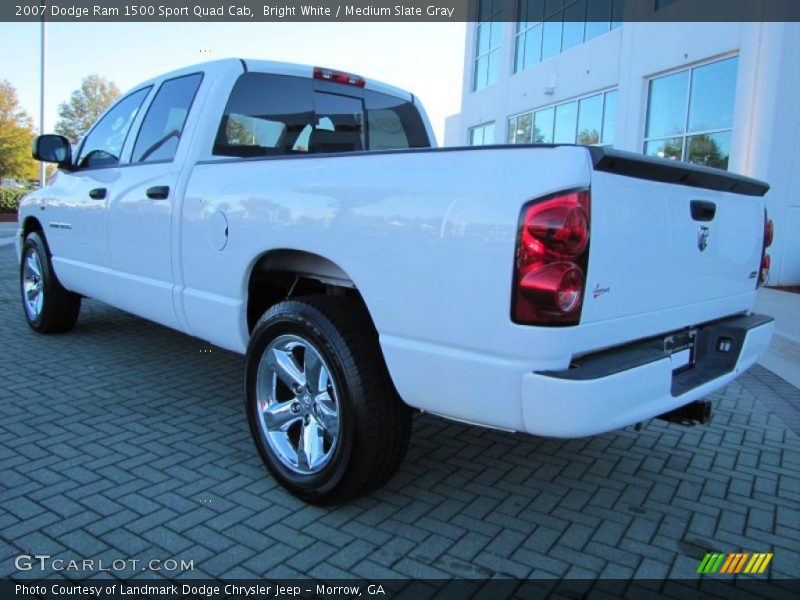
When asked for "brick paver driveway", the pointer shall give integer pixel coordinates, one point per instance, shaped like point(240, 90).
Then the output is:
point(123, 439)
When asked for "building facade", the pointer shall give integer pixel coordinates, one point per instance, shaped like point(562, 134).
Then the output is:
point(725, 95)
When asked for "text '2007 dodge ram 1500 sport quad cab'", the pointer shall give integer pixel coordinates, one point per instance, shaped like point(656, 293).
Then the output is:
point(301, 216)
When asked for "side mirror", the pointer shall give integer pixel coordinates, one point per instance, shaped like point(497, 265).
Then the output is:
point(52, 148)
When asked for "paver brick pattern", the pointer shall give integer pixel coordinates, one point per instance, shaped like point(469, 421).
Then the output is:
point(123, 439)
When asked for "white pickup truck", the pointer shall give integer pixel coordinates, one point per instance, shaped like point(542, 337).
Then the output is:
point(302, 216)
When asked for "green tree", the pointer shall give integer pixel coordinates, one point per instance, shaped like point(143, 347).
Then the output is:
point(704, 150)
point(589, 136)
point(239, 132)
point(84, 107)
point(16, 136)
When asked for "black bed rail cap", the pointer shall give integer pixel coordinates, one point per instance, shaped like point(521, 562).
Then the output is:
point(668, 171)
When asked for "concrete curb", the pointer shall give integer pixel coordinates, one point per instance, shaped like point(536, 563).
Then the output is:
point(783, 358)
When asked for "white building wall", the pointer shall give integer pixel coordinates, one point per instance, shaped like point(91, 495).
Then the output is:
point(766, 126)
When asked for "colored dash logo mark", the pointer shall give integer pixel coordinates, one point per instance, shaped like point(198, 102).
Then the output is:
point(737, 562)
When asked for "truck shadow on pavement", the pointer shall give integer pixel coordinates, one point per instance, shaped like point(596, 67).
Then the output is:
point(124, 438)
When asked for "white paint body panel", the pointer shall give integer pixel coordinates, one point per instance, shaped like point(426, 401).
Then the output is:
point(428, 238)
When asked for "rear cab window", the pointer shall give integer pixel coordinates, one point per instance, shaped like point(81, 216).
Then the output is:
point(393, 123)
point(270, 115)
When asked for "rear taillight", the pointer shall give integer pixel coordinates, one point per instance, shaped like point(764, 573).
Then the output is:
point(551, 260)
point(339, 77)
point(763, 271)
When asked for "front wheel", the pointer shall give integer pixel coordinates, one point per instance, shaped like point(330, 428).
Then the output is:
point(48, 306)
point(322, 409)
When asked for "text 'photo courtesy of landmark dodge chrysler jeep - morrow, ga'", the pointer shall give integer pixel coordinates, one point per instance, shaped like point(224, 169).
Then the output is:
point(303, 217)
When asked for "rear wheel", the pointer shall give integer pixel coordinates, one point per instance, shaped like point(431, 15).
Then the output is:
point(48, 306)
point(321, 406)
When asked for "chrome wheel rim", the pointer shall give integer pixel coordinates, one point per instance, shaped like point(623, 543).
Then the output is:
point(297, 404)
point(32, 284)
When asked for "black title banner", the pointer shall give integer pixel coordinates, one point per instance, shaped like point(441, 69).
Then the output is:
point(393, 10)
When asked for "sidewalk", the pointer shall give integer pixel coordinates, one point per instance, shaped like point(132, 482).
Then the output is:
point(783, 356)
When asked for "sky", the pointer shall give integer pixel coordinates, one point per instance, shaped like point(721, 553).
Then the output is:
point(423, 58)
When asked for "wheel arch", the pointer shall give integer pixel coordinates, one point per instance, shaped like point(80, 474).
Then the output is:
point(27, 226)
point(31, 224)
point(281, 273)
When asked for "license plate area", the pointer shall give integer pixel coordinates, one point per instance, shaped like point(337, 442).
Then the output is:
point(681, 350)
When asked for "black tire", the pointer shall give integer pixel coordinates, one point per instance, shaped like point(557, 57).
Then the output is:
point(374, 424)
point(59, 307)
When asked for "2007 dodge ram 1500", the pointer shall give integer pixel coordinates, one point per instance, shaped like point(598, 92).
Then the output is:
point(301, 216)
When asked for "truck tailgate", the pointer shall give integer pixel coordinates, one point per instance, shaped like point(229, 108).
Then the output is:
point(659, 244)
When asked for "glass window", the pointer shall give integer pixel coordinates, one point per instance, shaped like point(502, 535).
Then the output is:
point(669, 148)
point(552, 6)
point(393, 123)
point(487, 45)
point(103, 144)
point(590, 120)
point(566, 121)
point(163, 124)
point(548, 27)
point(489, 8)
point(511, 130)
point(690, 114)
point(609, 117)
point(530, 12)
point(598, 18)
point(265, 115)
point(520, 129)
point(529, 47)
point(713, 90)
point(488, 133)
point(482, 135)
point(543, 126)
point(664, 3)
point(709, 149)
point(280, 114)
point(574, 25)
point(586, 121)
point(493, 68)
point(481, 73)
point(338, 125)
point(617, 13)
point(551, 37)
point(666, 111)
point(484, 38)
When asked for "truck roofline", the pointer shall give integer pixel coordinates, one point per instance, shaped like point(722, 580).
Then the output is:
point(274, 67)
point(303, 70)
